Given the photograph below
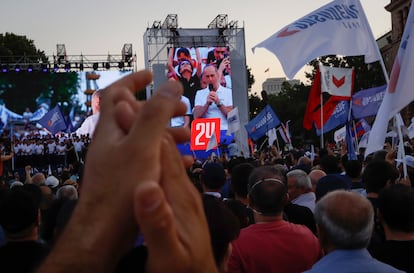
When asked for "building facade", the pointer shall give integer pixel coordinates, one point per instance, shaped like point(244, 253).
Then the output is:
point(273, 86)
point(390, 42)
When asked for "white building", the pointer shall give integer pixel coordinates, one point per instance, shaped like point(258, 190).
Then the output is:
point(274, 85)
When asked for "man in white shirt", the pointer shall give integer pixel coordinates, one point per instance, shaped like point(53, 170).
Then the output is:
point(215, 101)
point(89, 124)
point(300, 189)
point(182, 121)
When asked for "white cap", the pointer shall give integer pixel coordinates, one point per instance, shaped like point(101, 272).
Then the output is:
point(52, 181)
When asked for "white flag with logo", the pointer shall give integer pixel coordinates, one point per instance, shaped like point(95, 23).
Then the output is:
point(337, 81)
point(400, 91)
point(338, 28)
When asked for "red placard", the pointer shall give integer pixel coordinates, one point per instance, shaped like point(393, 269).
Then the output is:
point(202, 130)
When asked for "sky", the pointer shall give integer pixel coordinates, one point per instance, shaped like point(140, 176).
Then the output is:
point(100, 27)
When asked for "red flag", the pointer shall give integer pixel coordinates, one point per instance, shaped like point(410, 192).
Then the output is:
point(314, 101)
point(328, 108)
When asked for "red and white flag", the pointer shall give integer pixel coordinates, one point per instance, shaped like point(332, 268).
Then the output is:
point(400, 88)
point(337, 81)
point(337, 28)
point(284, 132)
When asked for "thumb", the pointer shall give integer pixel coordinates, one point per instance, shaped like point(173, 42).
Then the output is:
point(156, 221)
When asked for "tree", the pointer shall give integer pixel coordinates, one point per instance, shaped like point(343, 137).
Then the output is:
point(16, 48)
point(250, 78)
point(21, 89)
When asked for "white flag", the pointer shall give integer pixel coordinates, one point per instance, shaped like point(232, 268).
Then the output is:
point(340, 134)
point(284, 132)
point(363, 143)
point(233, 121)
point(411, 129)
point(271, 134)
point(338, 28)
point(212, 142)
point(400, 90)
point(337, 81)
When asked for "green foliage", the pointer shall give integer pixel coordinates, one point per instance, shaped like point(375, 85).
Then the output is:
point(250, 78)
point(290, 104)
point(13, 47)
point(255, 105)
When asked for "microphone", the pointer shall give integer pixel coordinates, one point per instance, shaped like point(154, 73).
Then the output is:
point(211, 88)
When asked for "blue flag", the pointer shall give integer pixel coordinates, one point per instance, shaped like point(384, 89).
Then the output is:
point(366, 102)
point(263, 122)
point(350, 142)
point(54, 121)
point(338, 117)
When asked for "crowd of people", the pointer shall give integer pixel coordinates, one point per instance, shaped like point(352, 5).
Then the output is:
point(132, 208)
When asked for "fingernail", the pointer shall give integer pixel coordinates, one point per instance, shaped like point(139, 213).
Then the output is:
point(149, 196)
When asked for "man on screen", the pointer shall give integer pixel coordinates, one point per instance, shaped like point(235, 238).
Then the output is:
point(215, 101)
point(89, 124)
point(219, 57)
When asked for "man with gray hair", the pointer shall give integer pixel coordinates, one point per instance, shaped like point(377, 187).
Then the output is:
point(345, 221)
point(300, 189)
point(67, 192)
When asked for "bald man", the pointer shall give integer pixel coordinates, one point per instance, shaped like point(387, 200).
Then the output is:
point(89, 124)
point(344, 221)
point(314, 176)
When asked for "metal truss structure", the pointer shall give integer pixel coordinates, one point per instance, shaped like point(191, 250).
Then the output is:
point(61, 62)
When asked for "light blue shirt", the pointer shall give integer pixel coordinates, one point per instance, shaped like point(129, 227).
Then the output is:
point(347, 261)
point(307, 200)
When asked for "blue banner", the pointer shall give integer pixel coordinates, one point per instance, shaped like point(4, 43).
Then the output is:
point(366, 102)
point(263, 122)
point(350, 142)
point(54, 121)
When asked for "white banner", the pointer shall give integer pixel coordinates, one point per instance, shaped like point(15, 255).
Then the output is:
point(338, 28)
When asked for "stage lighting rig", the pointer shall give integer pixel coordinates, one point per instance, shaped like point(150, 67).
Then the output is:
point(61, 53)
point(127, 53)
point(220, 22)
point(170, 22)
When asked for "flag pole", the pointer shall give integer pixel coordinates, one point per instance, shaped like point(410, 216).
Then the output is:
point(321, 99)
point(355, 136)
point(277, 141)
point(322, 141)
